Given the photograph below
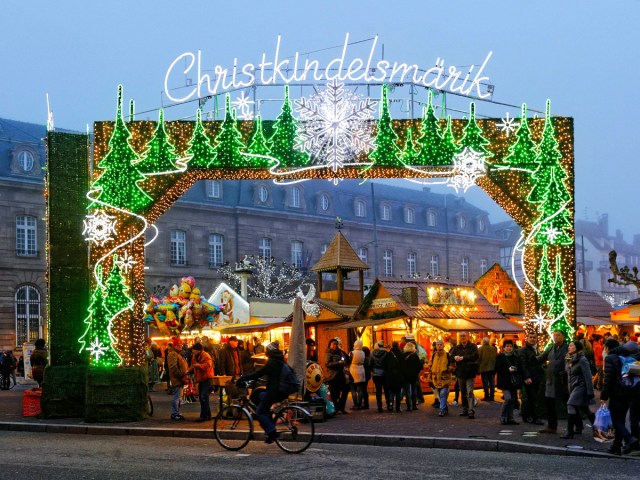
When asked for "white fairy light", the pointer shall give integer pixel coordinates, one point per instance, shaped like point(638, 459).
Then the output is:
point(335, 125)
point(508, 125)
point(98, 227)
point(96, 349)
point(468, 166)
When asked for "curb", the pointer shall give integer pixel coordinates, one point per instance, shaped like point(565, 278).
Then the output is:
point(448, 443)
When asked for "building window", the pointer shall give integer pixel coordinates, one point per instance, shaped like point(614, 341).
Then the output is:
point(324, 202)
point(363, 254)
point(482, 225)
point(295, 197)
point(483, 266)
point(386, 212)
point(361, 208)
point(462, 222)
point(296, 254)
point(216, 243)
point(214, 189)
point(409, 215)
point(433, 266)
point(324, 248)
point(464, 267)
point(388, 263)
point(411, 264)
point(431, 218)
point(178, 247)
point(27, 304)
point(26, 233)
point(25, 160)
point(263, 193)
point(505, 257)
point(264, 247)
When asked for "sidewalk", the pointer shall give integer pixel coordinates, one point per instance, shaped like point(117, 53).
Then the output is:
point(421, 428)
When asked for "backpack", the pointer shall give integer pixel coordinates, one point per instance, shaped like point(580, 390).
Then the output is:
point(289, 382)
point(629, 379)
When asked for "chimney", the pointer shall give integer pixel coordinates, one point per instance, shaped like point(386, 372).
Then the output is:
point(603, 222)
point(619, 235)
point(410, 296)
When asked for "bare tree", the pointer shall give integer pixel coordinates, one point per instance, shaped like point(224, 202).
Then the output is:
point(624, 275)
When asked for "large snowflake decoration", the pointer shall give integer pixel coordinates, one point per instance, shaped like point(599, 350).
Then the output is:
point(96, 349)
point(335, 125)
point(243, 104)
point(309, 308)
point(98, 227)
point(508, 124)
point(540, 321)
point(125, 262)
point(468, 166)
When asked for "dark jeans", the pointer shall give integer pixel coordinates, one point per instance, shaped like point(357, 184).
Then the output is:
point(6, 379)
point(489, 384)
point(358, 392)
point(381, 387)
point(529, 400)
point(634, 417)
point(204, 389)
point(411, 394)
point(396, 397)
point(339, 391)
point(619, 407)
point(456, 391)
point(552, 413)
point(263, 412)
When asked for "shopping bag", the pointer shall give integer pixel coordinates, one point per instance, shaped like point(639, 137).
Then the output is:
point(603, 426)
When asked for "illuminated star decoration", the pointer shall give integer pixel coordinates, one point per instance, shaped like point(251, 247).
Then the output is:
point(552, 233)
point(335, 125)
point(468, 166)
point(508, 124)
point(99, 227)
point(126, 262)
point(243, 104)
point(540, 321)
point(97, 349)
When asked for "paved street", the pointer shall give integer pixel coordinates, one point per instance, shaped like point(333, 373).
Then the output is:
point(45, 456)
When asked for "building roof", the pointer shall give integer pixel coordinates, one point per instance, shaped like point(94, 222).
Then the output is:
point(339, 254)
point(590, 304)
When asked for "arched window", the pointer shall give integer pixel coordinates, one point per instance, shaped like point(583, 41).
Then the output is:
point(361, 208)
point(386, 212)
point(216, 244)
point(431, 218)
point(27, 306)
point(214, 189)
point(324, 202)
point(295, 197)
point(26, 236)
point(263, 193)
point(409, 215)
point(482, 225)
point(25, 160)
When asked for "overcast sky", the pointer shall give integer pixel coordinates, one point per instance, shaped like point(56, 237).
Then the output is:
point(582, 54)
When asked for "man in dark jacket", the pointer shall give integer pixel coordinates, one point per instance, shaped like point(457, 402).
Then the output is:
point(394, 375)
point(532, 376)
point(465, 355)
point(556, 390)
point(230, 359)
point(271, 395)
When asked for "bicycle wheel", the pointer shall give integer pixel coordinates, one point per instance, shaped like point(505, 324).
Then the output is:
point(295, 429)
point(233, 427)
point(149, 406)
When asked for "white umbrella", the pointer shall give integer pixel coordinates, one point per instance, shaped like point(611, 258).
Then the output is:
point(297, 346)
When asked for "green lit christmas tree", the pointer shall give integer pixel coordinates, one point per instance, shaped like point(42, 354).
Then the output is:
point(97, 339)
point(387, 153)
point(284, 136)
point(229, 146)
point(118, 184)
point(449, 147)
point(117, 300)
point(555, 228)
point(259, 146)
point(545, 280)
point(430, 143)
point(160, 155)
point(523, 153)
point(409, 154)
point(548, 158)
point(200, 149)
point(472, 135)
point(558, 303)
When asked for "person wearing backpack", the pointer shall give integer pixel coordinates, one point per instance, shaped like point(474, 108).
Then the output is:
point(273, 371)
point(619, 396)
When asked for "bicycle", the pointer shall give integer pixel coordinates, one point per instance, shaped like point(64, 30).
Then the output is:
point(233, 425)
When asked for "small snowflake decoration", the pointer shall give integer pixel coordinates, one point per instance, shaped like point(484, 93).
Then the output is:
point(552, 233)
point(243, 104)
point(468, 166)
point(508, 124)
point(540, 321)
point(335, 125)
point(99, 227)
point(96, 349)
point(126, 262)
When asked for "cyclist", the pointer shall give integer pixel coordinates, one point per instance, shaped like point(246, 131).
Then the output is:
point(272, 394)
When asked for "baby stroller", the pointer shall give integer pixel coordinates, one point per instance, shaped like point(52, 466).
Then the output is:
point(189, 392)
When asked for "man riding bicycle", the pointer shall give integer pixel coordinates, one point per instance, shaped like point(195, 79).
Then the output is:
point(271, 395)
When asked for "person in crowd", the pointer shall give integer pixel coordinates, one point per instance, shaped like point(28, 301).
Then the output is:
point(202, 367)
point(258, 348)
point(532, 375)
point(21, 366)
point(412, 368)
point(556, 388)
point(403, 342)
point(367, 377)
point(39, 360)
point(356, 369)
point(230, 359)
point(312, 352)
point(487, 367)
point(422, 355)
point(581, 393)
point(509, 369)
point(336, 373)
point(272, 371)
point(246, 361)
point(5, 367)
point(465, 355)
point(619, 399)
point(440, 368)
point(598, 358)
point(209, 347)
point(394, 375)
point(177, 367)
point(152, 364)
point(378, 362)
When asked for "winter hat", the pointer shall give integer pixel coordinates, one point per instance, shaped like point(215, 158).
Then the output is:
point(381, 344)
point(578, 345)
point(611, 343)
point(273, 347)
point(507, 342)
